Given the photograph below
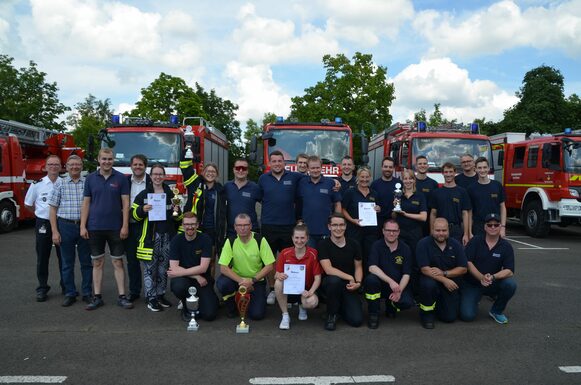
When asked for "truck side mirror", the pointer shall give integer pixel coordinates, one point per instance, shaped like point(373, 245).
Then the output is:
point(252, 150)
point(501, 158)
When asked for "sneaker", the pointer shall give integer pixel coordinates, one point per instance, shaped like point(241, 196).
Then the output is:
point(284, 322)
point(95, 303)
point(271, 299)
point(303, 316)
point(154, 305)
point(69, 301)
point(41, 296)
point(163, 302)
point(180, 305)
point(331, 322)
point(124, 302)
point(499, 318)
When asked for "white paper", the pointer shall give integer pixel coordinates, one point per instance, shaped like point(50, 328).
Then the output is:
point(367, 214)
point(158, 207)
point(295, 283)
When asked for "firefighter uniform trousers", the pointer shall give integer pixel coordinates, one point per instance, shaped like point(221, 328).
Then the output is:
point(376, 289)
point(436, 300)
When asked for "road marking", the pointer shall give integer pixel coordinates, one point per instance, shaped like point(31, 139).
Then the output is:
point(535, 247)
point(570, 369)
point(32, 379)
point(321, 380)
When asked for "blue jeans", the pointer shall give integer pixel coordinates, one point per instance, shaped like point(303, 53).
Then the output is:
point(470, 296)
point(71, 240)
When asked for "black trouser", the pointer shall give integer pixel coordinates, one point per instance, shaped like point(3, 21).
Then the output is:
point(434, 297)
point(208, 302)
point(365, 236)
point(342, 301)
point(376, 289)
point(279, 237)
point(133, 265)
point(43, 250)
point(411, 237)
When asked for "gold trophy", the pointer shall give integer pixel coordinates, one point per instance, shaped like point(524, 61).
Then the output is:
point(242, 300)
point(176, 201)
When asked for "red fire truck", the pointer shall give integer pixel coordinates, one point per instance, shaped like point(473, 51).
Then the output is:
point(163, 142)
point(331, 141)
point(404, 142)
point(23, 151)
point(542, 178)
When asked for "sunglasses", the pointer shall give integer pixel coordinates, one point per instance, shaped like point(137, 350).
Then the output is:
point(240, 168)
point(492, 224)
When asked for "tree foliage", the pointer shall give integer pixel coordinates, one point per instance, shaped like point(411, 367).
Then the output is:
point(356, 90)
point(27, 97)
point(88, 118)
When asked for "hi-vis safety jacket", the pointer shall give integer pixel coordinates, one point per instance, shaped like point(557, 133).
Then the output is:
point(147, 229)
point(194, 186)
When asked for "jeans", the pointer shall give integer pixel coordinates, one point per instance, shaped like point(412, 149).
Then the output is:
point(502, 290)
point(72, 243)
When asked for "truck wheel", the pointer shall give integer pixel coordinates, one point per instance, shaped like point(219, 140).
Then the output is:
point(7, 217)
point(535, 220)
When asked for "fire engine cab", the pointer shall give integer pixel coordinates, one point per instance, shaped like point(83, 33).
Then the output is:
point(23, 151)
point(542, 178)
point(405, 141)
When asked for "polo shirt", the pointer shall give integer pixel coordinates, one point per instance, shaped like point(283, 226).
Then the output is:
point(190, 253)
point(465, 181)
point(342, 258)
point(395, 263)
point(318, 201)
point(246, 259)
point(106, 209)
point(415, 204)
point(486, 260)
point(242, 200)
point(350, 203)
point(450, 202)
point(278, 197)
point(67, 197)
point(426, 187)
point(485, 199)
point(346, 185)
point(313, 267)
point(38, 195)
point(384, 190)
point(428, 253)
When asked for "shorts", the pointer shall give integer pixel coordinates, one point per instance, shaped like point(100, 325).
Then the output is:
point(97, 240)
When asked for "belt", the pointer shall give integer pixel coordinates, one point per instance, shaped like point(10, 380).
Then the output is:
point(73, 221)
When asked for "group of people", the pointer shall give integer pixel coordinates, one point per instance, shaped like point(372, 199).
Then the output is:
point(443, 248)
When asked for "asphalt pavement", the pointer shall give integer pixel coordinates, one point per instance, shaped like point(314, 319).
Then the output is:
point(46, 343)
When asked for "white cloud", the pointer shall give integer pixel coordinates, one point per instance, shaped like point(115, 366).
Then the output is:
point(4, 27)
point(442, 81)
point(503, 26)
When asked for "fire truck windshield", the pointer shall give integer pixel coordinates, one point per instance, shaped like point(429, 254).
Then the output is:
point(329, 144)
point(573, 157)
point(442, 150)
point(159, 147)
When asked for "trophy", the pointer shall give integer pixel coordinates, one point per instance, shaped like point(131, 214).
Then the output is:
point(192, 303)
point(242, 301)
point(176, 201)
point(397, 194)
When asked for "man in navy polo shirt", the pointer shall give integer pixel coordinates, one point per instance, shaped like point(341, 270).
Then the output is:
point(105, 219)
point(486, 196)
point(468, 175)
point(491, 270)
point(384, 187)
point(442, 262)
point(241, 196)
point(390, 267)
point(318, 200)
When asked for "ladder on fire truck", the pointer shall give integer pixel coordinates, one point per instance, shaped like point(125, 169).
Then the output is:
point(26, 133)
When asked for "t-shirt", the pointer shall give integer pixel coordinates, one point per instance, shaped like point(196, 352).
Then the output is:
point(350, 202)
point(450, 202)
point(106, 209)
point(485, 199)
point(384, 190)
point(246, 259)
point(415, 204)
point(486, 260)
point(393, 263)
point(427, 187)
point(465, 181)
point(190, 253)
point(342, 258)
point(288, 256)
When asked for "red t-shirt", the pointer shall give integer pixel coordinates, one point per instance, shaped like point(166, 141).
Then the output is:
point(287, 256)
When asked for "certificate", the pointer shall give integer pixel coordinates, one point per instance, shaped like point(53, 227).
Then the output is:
point(295, 283)
point(158, 207)
point(367, 214)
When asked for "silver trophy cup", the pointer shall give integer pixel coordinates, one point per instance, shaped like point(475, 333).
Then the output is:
point(192, 303)
point(397, 194)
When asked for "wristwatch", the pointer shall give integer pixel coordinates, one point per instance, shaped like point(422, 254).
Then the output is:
point(446, 273)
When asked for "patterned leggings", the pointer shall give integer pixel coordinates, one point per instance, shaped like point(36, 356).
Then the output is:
point(155, 271)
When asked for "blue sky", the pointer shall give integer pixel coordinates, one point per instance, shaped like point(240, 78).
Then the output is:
point(470, 56)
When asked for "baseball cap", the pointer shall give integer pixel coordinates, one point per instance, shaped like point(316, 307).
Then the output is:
point(492, 217)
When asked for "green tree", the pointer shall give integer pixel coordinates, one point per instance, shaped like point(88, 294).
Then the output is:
point(574, 112)
point(88, 118)
point(420, 116)
point(356, 90)
point(27, 97)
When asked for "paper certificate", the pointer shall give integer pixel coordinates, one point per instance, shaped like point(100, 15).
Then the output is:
point(295, 283)
point(158, 207)
point(367, 214)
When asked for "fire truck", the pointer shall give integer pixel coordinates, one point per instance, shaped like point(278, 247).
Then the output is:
point(331, 141)
point(23, 152)
point(405, 141)
point(163, 142)
point(542, 178)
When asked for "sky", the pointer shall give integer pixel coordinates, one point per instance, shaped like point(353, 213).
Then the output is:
point(469, 56)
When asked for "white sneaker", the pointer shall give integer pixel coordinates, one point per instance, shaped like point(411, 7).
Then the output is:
point(180, 305)
point(303, 316)
point(284, 322)
point(271, 299)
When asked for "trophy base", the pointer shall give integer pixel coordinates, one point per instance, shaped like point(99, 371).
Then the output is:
point(193, 327)
point(242, 329)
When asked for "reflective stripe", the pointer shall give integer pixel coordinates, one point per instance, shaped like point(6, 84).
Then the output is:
point(372, 297)
point(134, 212)
point(144, 253)
point(191, 180)
point(397, 309)
point(427, 308)
point(185, 163)
point(229, 296)
point(195, 200)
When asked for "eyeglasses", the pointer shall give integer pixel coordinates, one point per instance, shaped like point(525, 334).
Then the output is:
point(190, 224)
point(240, 168)
point(492, 224)
point(242, 224)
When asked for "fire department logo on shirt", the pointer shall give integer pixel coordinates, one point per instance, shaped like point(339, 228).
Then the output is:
point(398, 260)
point(455, 200)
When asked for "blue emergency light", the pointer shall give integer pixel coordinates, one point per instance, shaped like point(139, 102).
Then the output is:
point(568, 131)
point(474, 128)
point(338, 120)
point(115, 119)
point(422, 126)
point(279, 119)
point(173, 119)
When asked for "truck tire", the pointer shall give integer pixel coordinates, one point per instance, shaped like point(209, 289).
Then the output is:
point(535, 220)
point(7, 217)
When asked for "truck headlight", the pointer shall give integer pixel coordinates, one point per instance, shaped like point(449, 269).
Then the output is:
point(574, 193)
